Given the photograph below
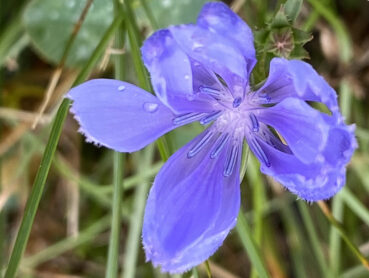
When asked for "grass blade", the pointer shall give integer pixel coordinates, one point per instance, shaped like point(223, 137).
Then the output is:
point(248, 242)
point(313, 237)
point(113, 252)
point(355, 205)
point(324, 208)
point(134, 234)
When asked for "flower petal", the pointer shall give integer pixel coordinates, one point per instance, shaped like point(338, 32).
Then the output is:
point(215, 52)
point(191, 208)
point(303, 127)
point(311, 182)
point(314, 181)
point(119, 115)
point(171, 74)
point(294, 78)
point(218, 17)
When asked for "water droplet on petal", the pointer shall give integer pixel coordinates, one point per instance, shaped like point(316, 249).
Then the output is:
point(186, 77)
point(150, 107)
point(121, 88)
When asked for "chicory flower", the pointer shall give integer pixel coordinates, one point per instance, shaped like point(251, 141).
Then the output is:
point(200, 72)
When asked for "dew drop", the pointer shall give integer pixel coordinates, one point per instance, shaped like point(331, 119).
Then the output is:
point(150, 107)
point(186, 77)
point(121, 88)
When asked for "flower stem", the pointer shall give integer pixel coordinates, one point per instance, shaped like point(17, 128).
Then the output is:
point(113, 251)
point(248, 242)
point(133, 238)
point(326, 211)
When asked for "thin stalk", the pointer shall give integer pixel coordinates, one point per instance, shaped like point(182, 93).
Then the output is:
point(248, 242)
point(39, 183)
point(355, 205)
point(313, 237)
point(208, 270)
point(11, 34)
point(324, 208)
point(334, 236)
point(134, 233)
point(59, 69)
point(337, 203)
point(149, 14)
point(258, 204)
point(295, 240)
point(113, 252)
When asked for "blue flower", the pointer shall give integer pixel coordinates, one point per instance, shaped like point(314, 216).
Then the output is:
point(201, 73)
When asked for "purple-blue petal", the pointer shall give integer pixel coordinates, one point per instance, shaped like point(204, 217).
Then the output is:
point(171, 74)
point(294, 78)
point(119, 115)
point(311, 182)
point(191, 208)
point(303, 127)
point(218, 17)
point(216, 53)
point(314, 181)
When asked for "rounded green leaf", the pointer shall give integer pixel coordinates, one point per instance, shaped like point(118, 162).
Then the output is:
point(173, 12)
point(50, 23)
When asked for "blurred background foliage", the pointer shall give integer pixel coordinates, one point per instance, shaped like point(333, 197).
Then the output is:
point(42, 52)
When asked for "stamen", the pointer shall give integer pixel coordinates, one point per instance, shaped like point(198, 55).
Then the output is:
point(264, 96)
point(259, 152)
point(231, 161)
point(200, 145)
point(219, 144)
point(255, 122)
point(210, 91)
point(188, 118)
point(237, 101)
point(210, 117)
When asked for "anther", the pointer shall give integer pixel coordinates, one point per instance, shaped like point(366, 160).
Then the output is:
point(254, 122)
point(210, 117)
point(266, 97)
point(231, 161)
point(188, 118)
point(237, 101)
point(200, 145)
point(219, 144)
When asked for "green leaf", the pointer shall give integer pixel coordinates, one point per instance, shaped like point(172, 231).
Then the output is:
point(300, 36)
point(280, 20)
point(50, 23)
point(299, 53)
point(292, 9)
point(171, 12)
